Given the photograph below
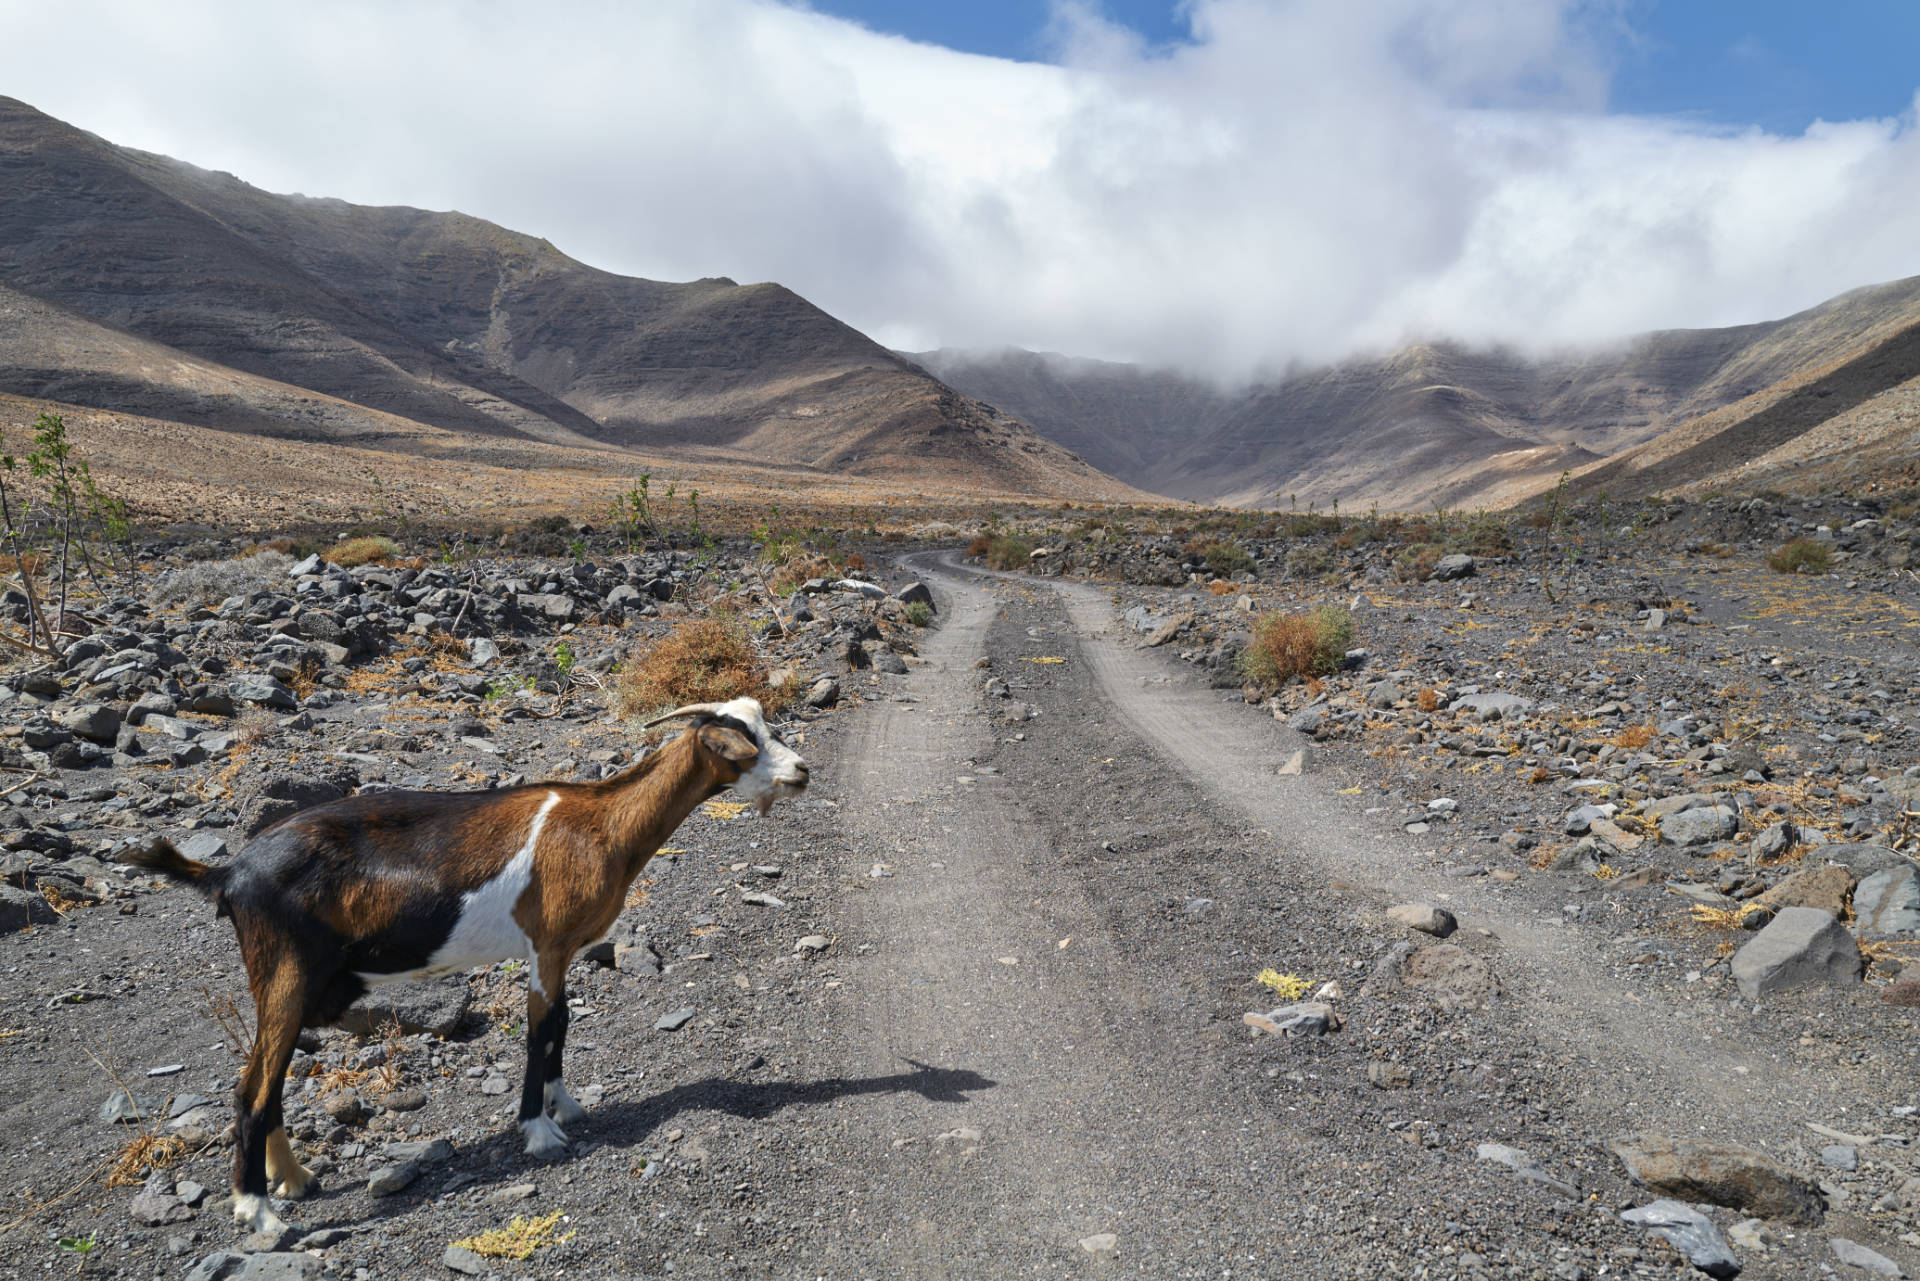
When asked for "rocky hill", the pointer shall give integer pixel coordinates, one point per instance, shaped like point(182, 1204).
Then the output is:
point(1444, 424)
point(138, 283)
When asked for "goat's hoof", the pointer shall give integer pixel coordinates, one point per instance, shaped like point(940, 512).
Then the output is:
point(562, 1106)
point(544, 1139)
point(297, 1186)
point(255, 1215)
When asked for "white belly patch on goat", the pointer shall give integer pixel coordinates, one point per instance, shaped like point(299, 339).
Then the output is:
point(486, 931)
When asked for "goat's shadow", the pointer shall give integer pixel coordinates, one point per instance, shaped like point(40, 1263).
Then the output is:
point(628, 1122)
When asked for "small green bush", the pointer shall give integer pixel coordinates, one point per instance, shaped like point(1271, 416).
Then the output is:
point(919, 613)
point(1008, 552)
point(1802, 556)
point(1227, 559)
point(1285, 646)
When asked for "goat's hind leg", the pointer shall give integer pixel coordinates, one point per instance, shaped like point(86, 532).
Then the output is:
point(260, 1141)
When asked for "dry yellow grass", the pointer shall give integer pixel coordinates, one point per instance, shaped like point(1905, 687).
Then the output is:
point(361, 551)
point(142, 1153)
point(700, 661)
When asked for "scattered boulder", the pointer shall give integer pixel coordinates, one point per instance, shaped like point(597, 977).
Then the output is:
point(1827, 888)
point(1307, 1018)
point(436, 1006)
point(1448, 568)
point(1728, 1174)
point(1856, 1255)
point(1424, 917)
point(1801, 945)
point(1690, 1232)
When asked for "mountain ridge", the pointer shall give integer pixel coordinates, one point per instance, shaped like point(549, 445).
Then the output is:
point(453, 322)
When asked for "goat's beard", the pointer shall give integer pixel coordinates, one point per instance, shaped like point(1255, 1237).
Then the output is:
point(764, 804)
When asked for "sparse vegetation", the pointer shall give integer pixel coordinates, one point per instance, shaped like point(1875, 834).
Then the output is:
point(1308, 561)
point(518, 1240)
point(367, 550)
point(1802, 556)
point(700, 661)
point(1286, 646)
point(209, 581)
point(919, 613)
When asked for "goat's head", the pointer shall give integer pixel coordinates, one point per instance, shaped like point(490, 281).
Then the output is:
point(747, 755)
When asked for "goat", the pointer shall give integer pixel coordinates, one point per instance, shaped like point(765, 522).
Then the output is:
point(395, 885)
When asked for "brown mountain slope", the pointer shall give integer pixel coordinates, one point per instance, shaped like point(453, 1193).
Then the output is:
point(1435, 423)
point(452, 322)
point(1842, 423)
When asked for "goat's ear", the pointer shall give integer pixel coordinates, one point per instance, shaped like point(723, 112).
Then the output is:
point(728, 744)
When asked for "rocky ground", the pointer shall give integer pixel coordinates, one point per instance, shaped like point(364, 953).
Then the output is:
point(1079, 954)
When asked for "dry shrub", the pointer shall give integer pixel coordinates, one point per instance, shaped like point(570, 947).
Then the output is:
point(306, 678)
point(978, 545)
point(1634, 737)
point(31, 562)
point(701, 661)
point(361, 551)
point(1428, 699)
point(1221, 587)
point(856, 561)
point(1417, 562)
point(796, 570)
point(1285, 646)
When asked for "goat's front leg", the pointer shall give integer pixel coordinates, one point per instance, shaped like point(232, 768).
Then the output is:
point(546, 1034)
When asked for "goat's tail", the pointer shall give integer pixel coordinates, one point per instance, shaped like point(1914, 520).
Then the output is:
point(163, 856)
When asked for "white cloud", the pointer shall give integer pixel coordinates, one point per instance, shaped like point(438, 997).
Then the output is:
point(1304, 178)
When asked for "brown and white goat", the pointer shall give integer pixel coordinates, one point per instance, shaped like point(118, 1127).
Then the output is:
point(396, 885)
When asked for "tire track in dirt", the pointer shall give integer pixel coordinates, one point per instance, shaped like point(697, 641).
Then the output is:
point(1675, 1065)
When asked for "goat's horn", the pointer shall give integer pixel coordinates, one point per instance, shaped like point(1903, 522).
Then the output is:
point(691, 709)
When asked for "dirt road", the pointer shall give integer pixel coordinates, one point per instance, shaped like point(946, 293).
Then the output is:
point(1096, 983)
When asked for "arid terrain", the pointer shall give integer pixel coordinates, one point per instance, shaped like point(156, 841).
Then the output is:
point(1086, 950)
point(1488, 846)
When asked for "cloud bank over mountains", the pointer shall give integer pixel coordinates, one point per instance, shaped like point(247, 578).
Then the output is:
point(1302, 180)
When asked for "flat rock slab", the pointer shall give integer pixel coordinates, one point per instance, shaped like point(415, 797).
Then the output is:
point(1801, 945)
point(1856, 1255)
point(1888, 902)
point(1449, 976)
point(1729, 1174)
point(1700, 826)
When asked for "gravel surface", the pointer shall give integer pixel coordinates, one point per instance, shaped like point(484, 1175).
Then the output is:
point(989, 1000)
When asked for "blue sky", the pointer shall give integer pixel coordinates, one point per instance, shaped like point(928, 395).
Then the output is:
point(1777, 64)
